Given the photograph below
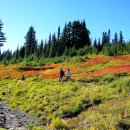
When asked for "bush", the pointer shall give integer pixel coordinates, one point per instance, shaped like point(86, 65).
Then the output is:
point(33, 127)
point(57, 123)
point(81, 52)
point(73, 52)
point(108, 78)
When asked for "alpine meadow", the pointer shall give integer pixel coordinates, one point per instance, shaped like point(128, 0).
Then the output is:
point(68, 80)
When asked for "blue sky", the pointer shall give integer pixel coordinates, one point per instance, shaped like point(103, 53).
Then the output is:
point(47, 15)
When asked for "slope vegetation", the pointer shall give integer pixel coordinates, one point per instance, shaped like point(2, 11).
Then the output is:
point(96, 97)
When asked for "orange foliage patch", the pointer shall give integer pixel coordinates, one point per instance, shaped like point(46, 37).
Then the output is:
point(109, 70)
point(95, 61)
point(119, 64)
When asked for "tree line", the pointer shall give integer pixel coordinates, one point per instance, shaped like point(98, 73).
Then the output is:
point(73, 40)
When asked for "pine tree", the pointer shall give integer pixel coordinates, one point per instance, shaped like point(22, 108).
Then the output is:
point(104, 38)
point(2, 37)
point(121, 37)
point(99, 46)
point(95, 43)
point(22, 52)
point(45, 48)
point(30, 43)
point(16, 53)
point(69, 37)
point(48, 46)
point(108, 36)
point(63, 42)
point(53, 50)
point(76, 32)
point(40, 49)
point(58, 40)
point(115, 38)
point(85, 35)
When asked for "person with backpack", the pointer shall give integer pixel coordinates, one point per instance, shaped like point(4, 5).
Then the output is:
point(61, 74)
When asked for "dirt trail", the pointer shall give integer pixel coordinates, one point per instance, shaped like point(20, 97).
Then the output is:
point(11, 120)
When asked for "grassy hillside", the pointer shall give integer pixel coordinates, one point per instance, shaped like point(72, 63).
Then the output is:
point(97, 96)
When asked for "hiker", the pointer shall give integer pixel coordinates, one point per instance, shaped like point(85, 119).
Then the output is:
point(67, 74)
point(61, 74)
point(23, 78)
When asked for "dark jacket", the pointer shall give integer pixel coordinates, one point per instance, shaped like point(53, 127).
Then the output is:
point(62, 73)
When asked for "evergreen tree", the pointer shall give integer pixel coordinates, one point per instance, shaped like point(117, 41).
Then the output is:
point(58, 40)
point(115, 38)
point(95, 43)
point(2, 37)
point(85, 35)
point(121, 37)
point(40, 49)
point(69, 37)
point(7, 55)
point(75, 34)
point(63, 42)
point(45, 49)
point(30, 43)
point(99, 46)
point(104, 38)
point(48, 47)
point(53, 50)
point(22, 52)
point(16, 53)
point(108, 36)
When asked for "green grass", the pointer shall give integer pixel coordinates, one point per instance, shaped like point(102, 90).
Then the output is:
point(51, 100)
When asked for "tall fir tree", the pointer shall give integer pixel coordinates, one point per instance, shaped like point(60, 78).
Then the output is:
point(53, 50)
point(40, 49)
point(63, 40)
point(22, 52)
point(115, 38)
point(2, 35)
point(121, 37)
point(99, 45)
point(69, 35)
point(48, 46)
point(30, 43)
point(58, 40)
point(95, 43)
point(85, 35)
point(104, 38)
point(45, 48)
point(108, 36)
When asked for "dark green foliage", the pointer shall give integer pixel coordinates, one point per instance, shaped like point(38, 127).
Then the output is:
point(75, 34)
point(73, 52)
point(95, 43)
point(2, 37)
point(30, 43)
point(115, 38)
point(74, 40)
point(99, 46)
point(7, 55)
point(81, 52)
point(121, 37)
point(54, 49)
point(128, 47)
point(40, 49)
point(47, 47)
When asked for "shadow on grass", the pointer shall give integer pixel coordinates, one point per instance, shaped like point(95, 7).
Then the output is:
point(33, 68)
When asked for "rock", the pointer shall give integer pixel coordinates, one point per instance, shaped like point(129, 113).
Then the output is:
point(14, 120)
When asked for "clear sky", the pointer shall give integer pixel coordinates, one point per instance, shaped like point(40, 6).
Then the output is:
point(47, 15)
